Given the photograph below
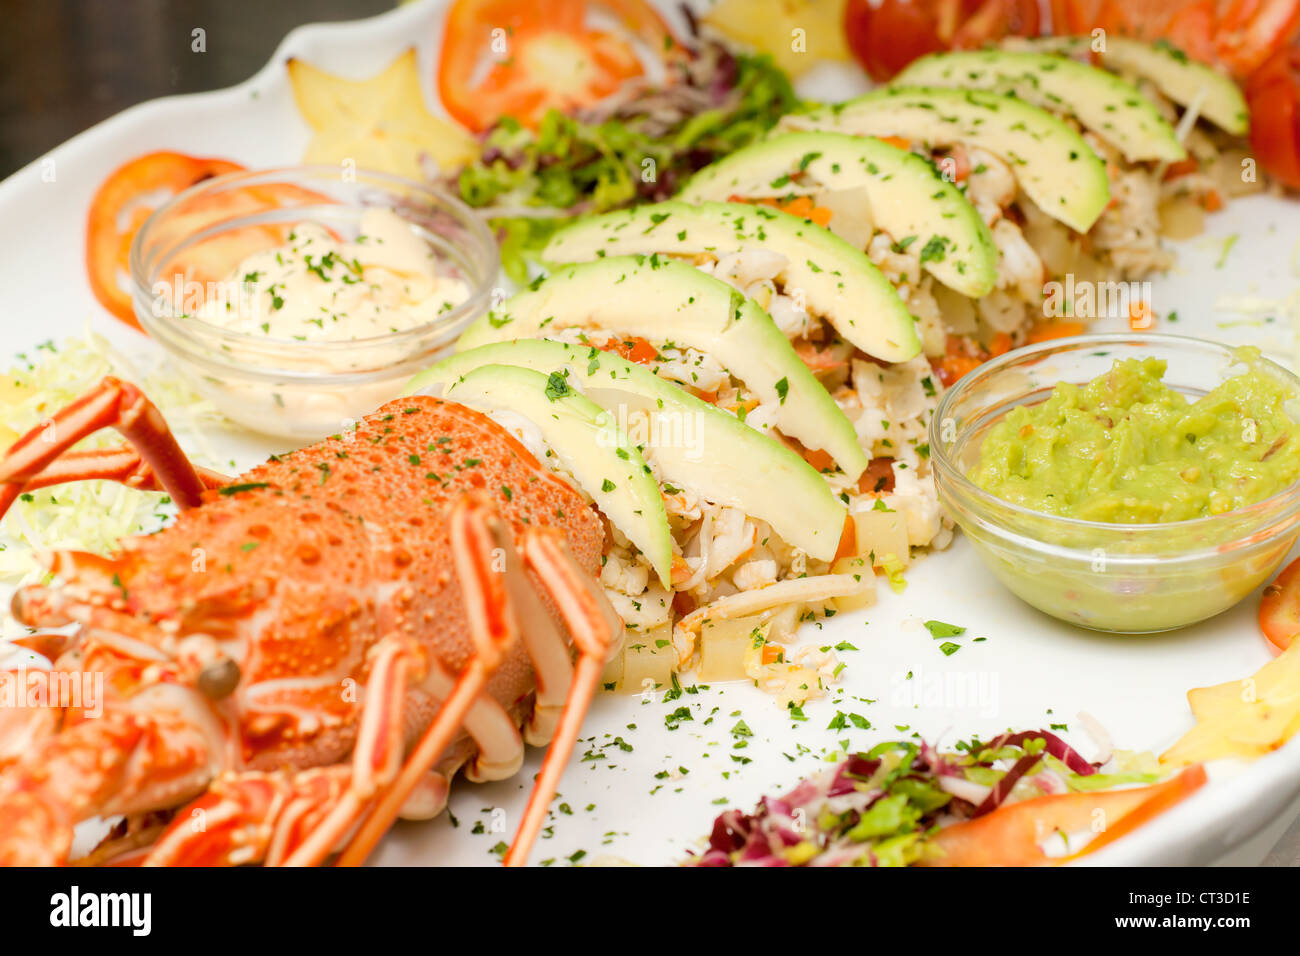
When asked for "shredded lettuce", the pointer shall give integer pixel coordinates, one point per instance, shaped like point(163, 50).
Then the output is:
point(88, 515)
point(881, 808)
point(639, 148)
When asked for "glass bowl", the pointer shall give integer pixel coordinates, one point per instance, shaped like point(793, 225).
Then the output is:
point(1123, 578)
point(296, 389)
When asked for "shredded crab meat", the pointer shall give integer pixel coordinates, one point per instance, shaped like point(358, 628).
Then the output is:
point(624, 575)
point(1019, 267)
point(991, 186)
point(758, 274)
point(902, 267)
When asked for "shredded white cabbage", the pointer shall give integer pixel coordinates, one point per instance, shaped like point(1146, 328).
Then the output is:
point(87, 515)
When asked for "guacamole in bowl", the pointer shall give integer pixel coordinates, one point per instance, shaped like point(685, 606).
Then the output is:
point(1127, 483)
point(1125, 448)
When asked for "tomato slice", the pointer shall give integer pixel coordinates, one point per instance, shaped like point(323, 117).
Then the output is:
point(1248, 32)
point(501, 57)
point(886, 38)
point(1272, 95)
point(887, 35)
point(120, 206)
point(1279, 608)
point(1010, 835)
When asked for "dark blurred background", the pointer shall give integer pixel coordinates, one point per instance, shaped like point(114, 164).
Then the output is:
point(67, 64)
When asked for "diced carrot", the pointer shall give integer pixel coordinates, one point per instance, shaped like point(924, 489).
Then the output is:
point(1054, 330)
point(848, 539)
point(878, 478)
point(952, 367)
point(1000, 345)
point(635, 349)
point(1183, 167)
point(642, 352)
point(902, 142)
point(773, 653)
point(710, 397)
point(798, 206)
point(802, 206)
point(1212, 201)
point(817, 458)
point(1140, 316)
point(748, 405)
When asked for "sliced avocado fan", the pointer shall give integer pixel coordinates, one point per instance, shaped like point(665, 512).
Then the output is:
point(693, 445)
point(1053, 164)
point(909, 198)
point(1110, 107)
point(587, 445)
point(839, 283)
point(1185, 81)
point(664, 300)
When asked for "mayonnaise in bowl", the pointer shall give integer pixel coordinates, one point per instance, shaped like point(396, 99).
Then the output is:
point(318, 288)
point(326, 316)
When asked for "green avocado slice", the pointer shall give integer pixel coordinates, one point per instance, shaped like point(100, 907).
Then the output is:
point(664, 300)
point(693, 445)
point(1053, 164)
point(588, 446)
point(1112, 108)
point(839, 282)
point(1177, 75)
point(909, 199)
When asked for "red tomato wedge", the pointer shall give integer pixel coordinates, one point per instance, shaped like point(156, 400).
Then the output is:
point(126, 199)
point(1010, 835)
point(1272, 94)
point(502, 57)
point(1279, 608)
point(1248, 32)
point(120, 206)
point(886, 35)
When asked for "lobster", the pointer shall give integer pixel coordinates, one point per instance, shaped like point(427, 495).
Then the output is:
point(307, 651)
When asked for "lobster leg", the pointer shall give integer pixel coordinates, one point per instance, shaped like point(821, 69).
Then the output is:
point(490, 609)
point(111, 404)
point(475, 538)
point(376, 756)
point(122, 464)
point(251, 817)
point(594, 627)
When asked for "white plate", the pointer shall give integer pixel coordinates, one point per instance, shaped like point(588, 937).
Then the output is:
point(1032, 671)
